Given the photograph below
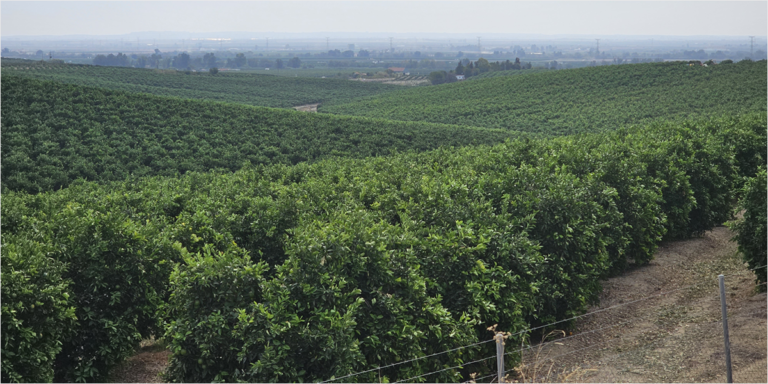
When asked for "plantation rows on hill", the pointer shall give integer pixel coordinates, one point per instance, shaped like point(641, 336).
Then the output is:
point(55, 133)
point(577, 101)
point(241, 88)
point(507, 73)
point(302, 273)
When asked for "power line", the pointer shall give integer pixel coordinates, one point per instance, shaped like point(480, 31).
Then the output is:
point(479, 47)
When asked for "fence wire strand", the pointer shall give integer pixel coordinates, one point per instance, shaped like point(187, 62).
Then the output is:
point(407, 361)
point(608, 308)
point(647, 297)
point(443, 370)
point(555, 341)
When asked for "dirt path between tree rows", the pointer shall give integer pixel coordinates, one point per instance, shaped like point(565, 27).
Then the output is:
point(307, 108)
point(665, 323)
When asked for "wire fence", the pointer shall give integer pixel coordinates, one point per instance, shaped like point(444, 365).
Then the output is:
point(680, 341)
point(337, 379)
point(668, 336)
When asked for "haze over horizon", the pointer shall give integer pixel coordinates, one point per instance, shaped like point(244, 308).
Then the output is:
point(302, 18)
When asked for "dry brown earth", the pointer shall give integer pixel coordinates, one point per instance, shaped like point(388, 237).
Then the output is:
point(145, 366)
point(663, 323)
point(307, 108)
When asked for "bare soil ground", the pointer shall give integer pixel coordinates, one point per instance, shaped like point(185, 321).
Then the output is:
point(656, 323)
point(307, 108)
point(145, 366)
point(662, 323)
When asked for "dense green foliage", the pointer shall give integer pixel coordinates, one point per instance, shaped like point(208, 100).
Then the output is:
point(55, 133)
point(37, 311)
point(751, 231)
point(117, 271)
point(576, 101)
point(241, 88)
point(111, 269)
point(288, 273)
point(506, 73)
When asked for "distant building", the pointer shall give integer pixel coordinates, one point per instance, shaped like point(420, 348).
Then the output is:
point(397, 69)
point(459, 77)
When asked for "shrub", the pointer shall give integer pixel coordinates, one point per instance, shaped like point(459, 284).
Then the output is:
point(209, 292)
point(355, 260)
point(118, 270)
point(346, 296)
point(638, 196)
point(697, 173)
point(37, 311)
point(745, 136)
point(751, 230)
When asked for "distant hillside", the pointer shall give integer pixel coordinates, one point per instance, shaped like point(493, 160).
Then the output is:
point(241, 88)
point(55, 133)
point(508, 73)
point(579, 100)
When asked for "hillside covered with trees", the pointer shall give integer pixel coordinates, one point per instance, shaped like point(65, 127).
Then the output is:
point(56, 133)
point(576, 101)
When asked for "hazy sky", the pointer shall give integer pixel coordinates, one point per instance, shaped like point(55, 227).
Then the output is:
point(546, 17)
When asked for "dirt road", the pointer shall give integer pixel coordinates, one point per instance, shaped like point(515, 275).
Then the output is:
point(307, 108)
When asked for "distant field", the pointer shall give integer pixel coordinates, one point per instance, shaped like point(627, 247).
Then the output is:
point(55, 133)
point(578, 100)
point(314, 72)
point(234, 87)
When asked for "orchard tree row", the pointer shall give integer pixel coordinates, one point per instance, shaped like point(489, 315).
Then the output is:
point(55, 134)
point(314, 271)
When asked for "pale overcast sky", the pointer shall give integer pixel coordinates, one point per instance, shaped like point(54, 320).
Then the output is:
point(514, 17)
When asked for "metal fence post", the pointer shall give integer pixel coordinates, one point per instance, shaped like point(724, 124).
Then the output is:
point(729, 373)
point(500, 356)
